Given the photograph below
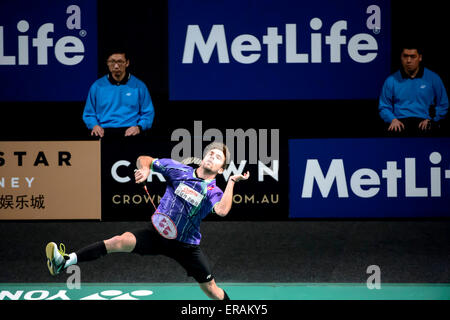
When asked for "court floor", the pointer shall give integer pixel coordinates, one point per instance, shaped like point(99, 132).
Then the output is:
point(236, 291)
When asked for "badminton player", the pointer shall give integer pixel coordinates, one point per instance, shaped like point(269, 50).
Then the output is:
point(191, 194)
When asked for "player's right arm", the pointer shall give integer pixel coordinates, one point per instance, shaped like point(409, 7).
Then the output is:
point(143, 163)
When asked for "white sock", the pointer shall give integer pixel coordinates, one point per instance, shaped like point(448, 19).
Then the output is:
point(72, 260)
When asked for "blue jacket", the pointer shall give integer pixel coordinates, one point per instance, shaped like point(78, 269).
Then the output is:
point(405, 97)
point(119, 105)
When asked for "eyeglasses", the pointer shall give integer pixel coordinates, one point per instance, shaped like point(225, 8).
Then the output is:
point(113, 62)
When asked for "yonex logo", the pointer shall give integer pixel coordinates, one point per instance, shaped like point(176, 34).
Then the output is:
point(40, 294)
point(164, 225)
point(118, 295)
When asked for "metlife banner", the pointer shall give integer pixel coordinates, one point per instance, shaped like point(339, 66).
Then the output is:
point(278, 49)
point(48, 49)
point(361, 178)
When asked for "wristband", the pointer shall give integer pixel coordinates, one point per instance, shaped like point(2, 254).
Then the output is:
point(233, 180)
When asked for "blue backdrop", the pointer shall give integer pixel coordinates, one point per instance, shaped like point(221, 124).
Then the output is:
point(272, 49)
point(48, 50)
point(390, 177)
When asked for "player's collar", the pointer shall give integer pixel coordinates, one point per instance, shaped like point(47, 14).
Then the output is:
point(194, 173)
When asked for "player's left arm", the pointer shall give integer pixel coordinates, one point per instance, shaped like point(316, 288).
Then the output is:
point(224, 205)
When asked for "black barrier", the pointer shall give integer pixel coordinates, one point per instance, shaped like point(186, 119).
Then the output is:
point(263, 197)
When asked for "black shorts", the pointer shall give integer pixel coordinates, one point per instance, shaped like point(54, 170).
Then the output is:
point(190, 257)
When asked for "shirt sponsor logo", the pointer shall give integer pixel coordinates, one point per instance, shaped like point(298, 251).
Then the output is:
point(189, 194)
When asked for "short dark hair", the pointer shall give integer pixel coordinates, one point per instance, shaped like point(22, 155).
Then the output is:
point(411, 44)
point(117, 50)
point(222, 147)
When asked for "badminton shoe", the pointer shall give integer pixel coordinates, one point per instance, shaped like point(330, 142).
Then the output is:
point(56, 258)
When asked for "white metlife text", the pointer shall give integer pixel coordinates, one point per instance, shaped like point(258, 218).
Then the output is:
point(247, 48)
point(68, 50)
point(365, 182)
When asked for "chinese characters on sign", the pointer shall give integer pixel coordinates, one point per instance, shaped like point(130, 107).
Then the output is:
point(8, 201)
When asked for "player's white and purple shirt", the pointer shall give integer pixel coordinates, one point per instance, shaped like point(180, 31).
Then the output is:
point(187, 200)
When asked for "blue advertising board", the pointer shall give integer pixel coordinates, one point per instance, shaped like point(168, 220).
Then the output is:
point(48, 49)
point(278, 49)
point(361, 178)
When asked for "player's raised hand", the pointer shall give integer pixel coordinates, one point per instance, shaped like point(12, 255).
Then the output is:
point(240, 177)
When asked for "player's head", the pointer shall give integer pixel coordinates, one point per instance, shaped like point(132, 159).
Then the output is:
point(216, 157)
